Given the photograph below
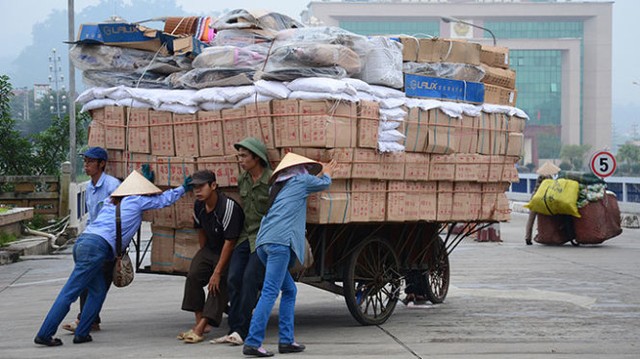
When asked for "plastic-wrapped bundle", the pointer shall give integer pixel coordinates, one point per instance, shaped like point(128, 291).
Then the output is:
point(121, 59)
point(240, 38)
point(448, 70)
point(291, 73)
point(202, 78)
point(325, 35)
point(250, 57)
point(94, 78)
point(383, 63)
point(313, 56)
point(241, 18)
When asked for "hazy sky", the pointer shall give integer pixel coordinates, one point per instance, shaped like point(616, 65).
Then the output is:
point(20, 15)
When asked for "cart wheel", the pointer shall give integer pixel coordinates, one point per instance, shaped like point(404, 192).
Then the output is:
point(372, 282)
point(438, 274)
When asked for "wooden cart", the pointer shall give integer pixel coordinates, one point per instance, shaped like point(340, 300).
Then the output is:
point(369, 263)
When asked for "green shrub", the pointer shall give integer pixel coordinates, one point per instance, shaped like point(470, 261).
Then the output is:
point(6, 238)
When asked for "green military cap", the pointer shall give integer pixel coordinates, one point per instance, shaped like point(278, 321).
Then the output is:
point(256, 146)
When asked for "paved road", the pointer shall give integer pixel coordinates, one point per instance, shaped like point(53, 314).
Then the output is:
point(506, 300)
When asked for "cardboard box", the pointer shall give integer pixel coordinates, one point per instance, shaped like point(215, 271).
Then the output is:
point(331, 206)
point(286, 123)
point(499, 133)
point(210, 138)
point(496, 168)
point(366, 164)
point(466, 167)
point(185, 248)
point(368, 200)
point(344, 157)
point(259, 124)
point(510, 172)
point(442, 131)
point(421, 86)
point(416, 166)
point(485, 130)
point(495, 56)
point(410, 47)
point(173, 170)
point(138, 124)
point(445, 201)
point(184, 210)
point(467, 199)
point(499, 77)
point(516, 124)
point(165, 217)
point(446, 50)
point(368, 124)
point(97, 129)
point(484, 166)
point(515, 143)
point(328, 123)
point(467, 135)
point(502, 212)
point(392, 165)
point(114, 119)
point(442, 168)
point(185, 132)
point(162, 249)
point(396, 197)
point(500, 95)
point(412, 201)
point(427, 194)
point(161, 124)
point(226, 168)
point(115, 164)
point(135, 161)
point(121, 34)
point(416, 130)
point(234, 128)
point(274, 157)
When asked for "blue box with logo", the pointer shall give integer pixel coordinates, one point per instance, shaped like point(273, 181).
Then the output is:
point(443, 89)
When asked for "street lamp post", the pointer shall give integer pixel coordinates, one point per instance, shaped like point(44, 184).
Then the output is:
point(55, 78)
point(449, 19)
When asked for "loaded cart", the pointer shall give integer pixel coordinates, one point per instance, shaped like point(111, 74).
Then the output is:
point(424, 131)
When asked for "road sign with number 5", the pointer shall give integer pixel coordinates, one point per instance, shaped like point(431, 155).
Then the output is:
point(603, 164)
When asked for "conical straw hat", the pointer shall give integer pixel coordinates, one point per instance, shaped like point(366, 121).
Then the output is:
point(135, 184)
point(548, 169)
point(291, 159)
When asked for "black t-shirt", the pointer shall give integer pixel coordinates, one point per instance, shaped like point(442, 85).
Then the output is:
point(223, 223)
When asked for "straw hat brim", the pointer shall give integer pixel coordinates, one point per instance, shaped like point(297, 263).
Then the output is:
point(135, 185)
point(548, 169)
point(292, 159)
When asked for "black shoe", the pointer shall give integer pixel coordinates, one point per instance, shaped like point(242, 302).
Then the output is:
point(290, 348)
point(51, 342)
point(529, 243)
point(79, 340)
point(256, 352)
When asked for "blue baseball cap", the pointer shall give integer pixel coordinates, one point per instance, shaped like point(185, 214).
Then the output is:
point(98, 153)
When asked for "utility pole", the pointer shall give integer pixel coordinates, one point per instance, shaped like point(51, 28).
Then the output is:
point(56, 78)
point(72, 92)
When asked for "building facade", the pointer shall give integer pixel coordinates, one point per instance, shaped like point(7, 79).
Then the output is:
point(561, 52)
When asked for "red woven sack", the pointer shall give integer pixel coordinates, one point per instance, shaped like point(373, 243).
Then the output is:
point(554, 230)
point(600, 221)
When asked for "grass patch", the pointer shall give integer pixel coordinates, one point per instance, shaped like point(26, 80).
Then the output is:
point(6, 238)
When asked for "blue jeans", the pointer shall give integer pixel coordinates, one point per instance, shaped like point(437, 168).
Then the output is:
point(246, 274)
point(89, 254)
point(277, 259)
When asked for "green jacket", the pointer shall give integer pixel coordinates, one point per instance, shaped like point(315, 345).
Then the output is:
point(254, 203)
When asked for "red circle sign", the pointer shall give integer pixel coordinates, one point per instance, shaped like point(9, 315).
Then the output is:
point(603, 164)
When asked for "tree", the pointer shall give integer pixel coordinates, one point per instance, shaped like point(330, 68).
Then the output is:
point(574, 154)
point(15, 152)
point(628, 157)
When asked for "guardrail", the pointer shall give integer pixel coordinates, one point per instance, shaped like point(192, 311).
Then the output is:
point(627, 190)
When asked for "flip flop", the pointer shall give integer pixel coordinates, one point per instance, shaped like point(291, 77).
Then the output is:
point(183, 335)
point(193, 338)
point(221, 340)
point(235, 339)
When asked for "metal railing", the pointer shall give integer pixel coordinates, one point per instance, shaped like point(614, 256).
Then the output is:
point(627, 190)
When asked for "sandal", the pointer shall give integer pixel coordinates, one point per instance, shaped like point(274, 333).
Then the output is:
point(71, 326)
point(183, 335)
point(235, 339)
point(193, 338)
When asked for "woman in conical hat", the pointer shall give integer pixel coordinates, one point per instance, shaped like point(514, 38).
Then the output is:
point(96, 245)
point(546, 171)
point(280, 241)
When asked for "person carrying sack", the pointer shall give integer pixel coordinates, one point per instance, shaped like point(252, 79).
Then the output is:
point(97, 245)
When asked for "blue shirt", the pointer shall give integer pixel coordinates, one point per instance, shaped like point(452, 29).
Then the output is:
point(131, 209)
point(285, 221)
point(96, 194)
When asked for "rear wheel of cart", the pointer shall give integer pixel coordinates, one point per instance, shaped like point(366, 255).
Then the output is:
point(372, 282)
point(438, 273)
